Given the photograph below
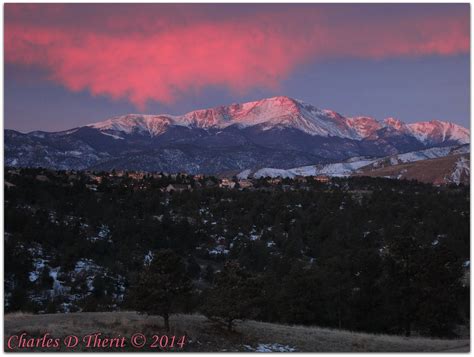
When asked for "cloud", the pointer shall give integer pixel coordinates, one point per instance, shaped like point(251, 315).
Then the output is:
point(143, 54)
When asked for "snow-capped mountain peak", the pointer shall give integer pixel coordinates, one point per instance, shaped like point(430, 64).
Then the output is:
point(395, 123)
point(135, 123)
point(435, 131)
point(282, 112)
point(364, 126)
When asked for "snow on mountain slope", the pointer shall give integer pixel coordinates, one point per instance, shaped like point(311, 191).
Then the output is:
point(352, 165)
point(336, 169)
point(431, 153)
point(269, 172)
point(463, 149)
point(436, 131)
point(364, 126)
point(461, 171)
point(277, 112)
point(396, 124)
point(244, 174)
point(136, 123)
point(283, 112)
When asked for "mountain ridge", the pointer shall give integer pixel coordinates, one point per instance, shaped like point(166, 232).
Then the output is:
point(277, 132)
point(284, 111)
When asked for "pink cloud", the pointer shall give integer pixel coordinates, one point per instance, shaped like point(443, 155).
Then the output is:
point(160, 59)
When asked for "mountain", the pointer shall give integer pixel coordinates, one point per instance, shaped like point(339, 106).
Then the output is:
point(276, 132)
point(437, 165)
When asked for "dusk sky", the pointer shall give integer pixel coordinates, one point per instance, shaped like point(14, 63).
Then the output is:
point(70, 65)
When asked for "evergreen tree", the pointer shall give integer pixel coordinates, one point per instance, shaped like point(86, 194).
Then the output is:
point(233, 297)
point(162, 287)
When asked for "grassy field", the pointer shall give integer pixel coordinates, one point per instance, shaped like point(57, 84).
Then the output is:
point(203, 335)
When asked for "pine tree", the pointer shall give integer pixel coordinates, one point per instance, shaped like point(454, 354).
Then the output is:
point(162, 287)
point(233, 297)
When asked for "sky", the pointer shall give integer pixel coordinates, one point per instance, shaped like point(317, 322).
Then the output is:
point(68, 65)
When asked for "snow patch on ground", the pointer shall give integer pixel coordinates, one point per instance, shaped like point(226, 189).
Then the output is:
point(112, 135)
point(218, 250)
point(269, 172)
point(39, 266)
point(336, 169)
point(244, 174)
point(103, 234)
point(270, 347)
point(86, 265)
point(148, 258)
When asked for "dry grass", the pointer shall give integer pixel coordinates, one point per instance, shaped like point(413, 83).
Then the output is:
point(428, 171)
point(205, 336)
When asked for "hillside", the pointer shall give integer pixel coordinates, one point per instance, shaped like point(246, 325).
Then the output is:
point(421, 165)
point(206, 336)
point(449, 169)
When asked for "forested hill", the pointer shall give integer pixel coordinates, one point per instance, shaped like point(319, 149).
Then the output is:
point(365, 254)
